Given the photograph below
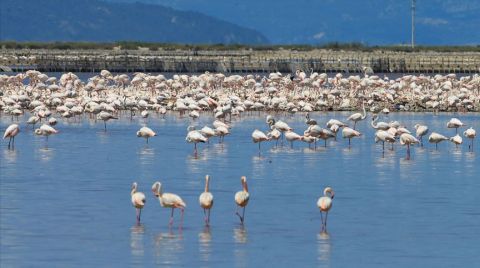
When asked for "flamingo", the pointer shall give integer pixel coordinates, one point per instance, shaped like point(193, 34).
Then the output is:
point(309, 121)
point(221, 131)
point(421, 130)
point(358, 116)
point(292, 136)
point(455, 123)
point(379, 125)
point(52, 121)
point(146, 132)
point(168, 200)
point(408, 139)
point(470, 133)
point(350, 133)
point(384, 136)
point(324, 203)
point(274, 134)
point(207, 132)
point(332, 122)
point(457, 139)
point(138, 200)
point(45, 130)
point(33, 120)
point(194, 136)
point(258, 136)
point(241, 199)
point(10, 133)
point(436, 138)
point(206, 200)
point(105, 116)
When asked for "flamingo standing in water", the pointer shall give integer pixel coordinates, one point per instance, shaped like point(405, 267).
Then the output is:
point(358, 116)
point(384, 136)
point(436, 138)
point(45, 130)
point(10, 133)
point(241, 199)
point(408, 139)
point(258, 136)
point(206, 200)
point(455, 123)
point(168, 200)
point(421, 130)
point(470, 133)
point(457, 139)
point(194, 136)
point(324, 203)
point(146, 132)
point(350, 133)
point(138, 200)
point(105, 116)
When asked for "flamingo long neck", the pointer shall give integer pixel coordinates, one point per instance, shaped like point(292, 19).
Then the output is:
point(134, 190)
point(159, 190)
point(207, 182)
point(245, 187)
point(364, 111)
point(374, 123)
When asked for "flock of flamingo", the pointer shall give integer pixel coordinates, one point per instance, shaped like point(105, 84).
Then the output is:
point(104, 96)
point(173, 201)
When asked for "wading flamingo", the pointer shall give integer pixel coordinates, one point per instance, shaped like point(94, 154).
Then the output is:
point(168, 200)
point(358, 116)
point(206, 200)
point(146, 132)
point(241, 199)
point(470, 133)
point(324, 203)
point(138, 200)
point(10, 133)
point(408, 139)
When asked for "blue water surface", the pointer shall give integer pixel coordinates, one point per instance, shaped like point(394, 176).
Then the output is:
point(66, 202)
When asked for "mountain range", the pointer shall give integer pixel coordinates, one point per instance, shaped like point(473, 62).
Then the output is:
point(93, 20)
point(371, 22)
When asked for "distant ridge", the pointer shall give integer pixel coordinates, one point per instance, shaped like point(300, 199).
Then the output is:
point(93, 20)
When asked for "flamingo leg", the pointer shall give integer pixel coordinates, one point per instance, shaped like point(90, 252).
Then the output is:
point(321, 217)
point(421, 141)
point(105, 125)
point(205, 214)
point(147, 140)
point(408, 151)
point(181, 219)
point(9, 141)
point(383, 146)
point(171, 218)
point(354, 124)
point(326, 216)
point(209, 216)
point(325, 143)
point(243, 214)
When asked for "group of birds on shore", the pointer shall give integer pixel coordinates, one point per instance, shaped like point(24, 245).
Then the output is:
point(174, 201)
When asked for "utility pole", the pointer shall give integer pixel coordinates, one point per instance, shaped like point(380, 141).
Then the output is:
point(413, 23)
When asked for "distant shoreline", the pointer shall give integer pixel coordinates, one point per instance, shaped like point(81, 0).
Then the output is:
point(177, 58)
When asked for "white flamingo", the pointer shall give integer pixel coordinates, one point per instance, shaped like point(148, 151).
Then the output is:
point(350, 133)
point(206, 200)
point(258, 137)
point(146, 132)
point(324, 203)
point(470, 133)
point(408, 139)
point(455, 123)
point(436, 138)
point(168, 200)
point(241, 199)
point(358, 116)
point(421, 130)
point(138, 200)
point(10, 133)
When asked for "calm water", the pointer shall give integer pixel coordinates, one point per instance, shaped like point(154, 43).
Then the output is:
point(67, 202)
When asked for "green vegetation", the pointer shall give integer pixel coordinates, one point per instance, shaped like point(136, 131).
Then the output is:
point(128, 45)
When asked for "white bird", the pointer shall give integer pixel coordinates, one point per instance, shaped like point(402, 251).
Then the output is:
point(421, 130)
point(10, 133)
point(457, 139)
point(146, 132)
point(138, 200)
point(379, 125)
point(206, 200)
point(324, 203)
point(274, 134)
point(221, 131)
point(350, 133)
point(45, 130)
point(52, 121)
point(455, 123)
point(207, 132)
point(194, 136)
point(408, 139)
point(218, 123)
point(470, 133)
point(384, 136)
point(358, 116)
point(436, 138)
point(33, 120)
point(168, 200)
point(258, 136)
point(292, 136)
point(332, 122)
point(105, 116)
point(241, 198)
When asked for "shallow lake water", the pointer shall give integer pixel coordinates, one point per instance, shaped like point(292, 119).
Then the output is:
point(66, 202)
